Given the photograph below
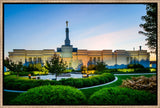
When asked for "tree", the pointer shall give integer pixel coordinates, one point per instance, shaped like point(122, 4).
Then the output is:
point(56, 65)
point(100, 66)
point(84, 69)
point(13, 67)
point(92, 67)
point(150, 25)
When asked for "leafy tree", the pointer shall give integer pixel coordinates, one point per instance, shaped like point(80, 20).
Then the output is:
point(56, 65)
point(84, 69)
point(92, 67)
point(100, 66)
point(44, 70)
point(150, 25)
point(13, 67)
point(38, 66)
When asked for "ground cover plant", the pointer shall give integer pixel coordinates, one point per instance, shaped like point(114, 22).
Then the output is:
point(8, 96)
point(141, 83)
point(51, 95)
point(23, 83)
point(122, 96)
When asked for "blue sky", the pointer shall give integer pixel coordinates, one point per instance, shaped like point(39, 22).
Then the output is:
point(91, 26)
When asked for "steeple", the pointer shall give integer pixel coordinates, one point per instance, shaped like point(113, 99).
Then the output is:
point(67, 41)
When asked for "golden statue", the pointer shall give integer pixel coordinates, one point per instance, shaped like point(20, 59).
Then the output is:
point(66, 23)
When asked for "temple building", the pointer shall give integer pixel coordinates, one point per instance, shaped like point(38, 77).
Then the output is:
point(75, 57)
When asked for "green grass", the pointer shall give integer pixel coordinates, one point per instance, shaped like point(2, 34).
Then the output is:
point(90, 91)
point(8, 96)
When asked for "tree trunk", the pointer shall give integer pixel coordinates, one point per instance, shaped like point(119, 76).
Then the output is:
point(17, 74)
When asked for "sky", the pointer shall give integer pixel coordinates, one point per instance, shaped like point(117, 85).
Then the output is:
point(91, 26)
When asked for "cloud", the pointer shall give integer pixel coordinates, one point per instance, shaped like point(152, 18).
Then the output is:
point(124, 39)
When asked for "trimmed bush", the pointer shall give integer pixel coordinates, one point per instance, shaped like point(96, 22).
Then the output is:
point(51, 95)
point(122, 96)
point(24, 83)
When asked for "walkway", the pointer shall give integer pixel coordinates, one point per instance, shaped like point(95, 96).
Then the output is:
point(16, 91)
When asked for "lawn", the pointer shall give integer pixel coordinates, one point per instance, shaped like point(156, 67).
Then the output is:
point(90, 91)
point(8, 96)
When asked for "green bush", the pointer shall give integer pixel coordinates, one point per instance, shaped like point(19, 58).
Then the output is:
point(122, 96)
point(135, 66)
point(78, 82)
point(24, 83)
point(142, 70)
point(51, 95)
point(87, 82)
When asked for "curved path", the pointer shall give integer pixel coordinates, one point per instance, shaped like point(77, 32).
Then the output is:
point(16, 91)
point(101, 84)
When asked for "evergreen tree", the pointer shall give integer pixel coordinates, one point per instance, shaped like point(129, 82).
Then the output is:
point(56, 65)
point(150, 25)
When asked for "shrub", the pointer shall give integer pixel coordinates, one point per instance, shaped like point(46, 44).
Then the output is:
point(144, 70)
point(135, 66)
point(87, 82)
point(51, 95)
point(23, 83)
point(141, 83)
point(122, 96)
point(78, 82)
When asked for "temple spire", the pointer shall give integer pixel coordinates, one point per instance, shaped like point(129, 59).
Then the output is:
point(67, 41)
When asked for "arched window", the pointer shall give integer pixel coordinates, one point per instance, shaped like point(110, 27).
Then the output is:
point(30, 59)
point(90, 59)
point(39, 60)
point(94, 59)
point(34, 60)
point(99, 59)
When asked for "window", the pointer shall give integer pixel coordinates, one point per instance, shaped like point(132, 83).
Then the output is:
point(98, 58)
point(94, 59)
point(39, 60)
point(34, 60)
point(30, 59)
point(90, 58)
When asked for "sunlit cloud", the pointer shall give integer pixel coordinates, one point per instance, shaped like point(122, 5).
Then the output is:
point(124, 39)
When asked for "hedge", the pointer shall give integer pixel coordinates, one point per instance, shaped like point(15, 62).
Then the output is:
point(122, 96)
point(51, 95)
point(13, 82)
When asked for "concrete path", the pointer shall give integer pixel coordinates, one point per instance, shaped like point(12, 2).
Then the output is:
point(100, 85)
point(16, 91)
